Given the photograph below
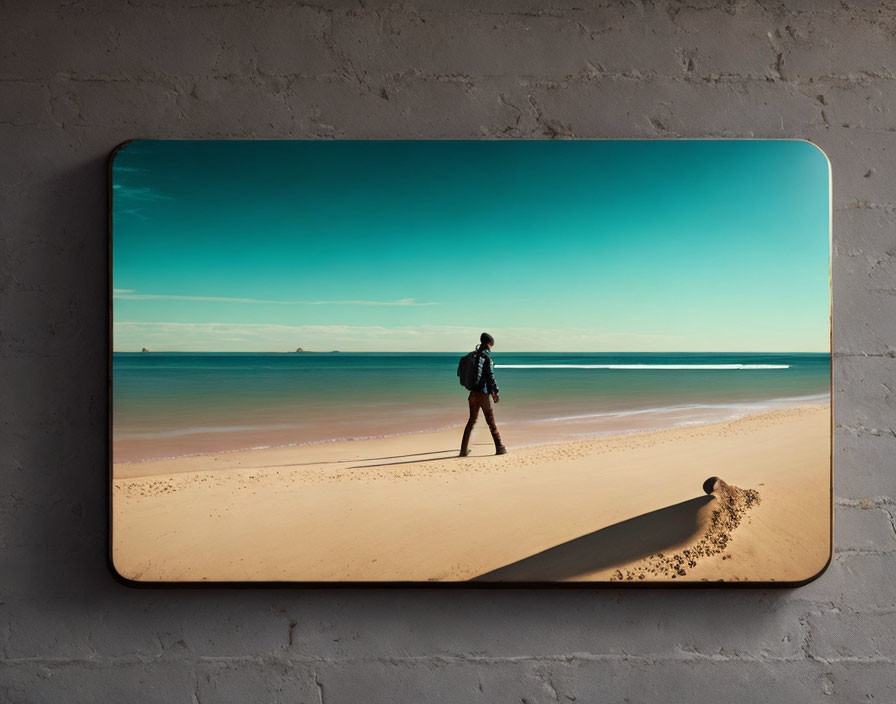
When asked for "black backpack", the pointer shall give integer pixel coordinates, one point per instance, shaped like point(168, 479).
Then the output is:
point(467, 370)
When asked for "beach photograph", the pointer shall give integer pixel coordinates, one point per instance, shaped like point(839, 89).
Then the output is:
point(491, 362)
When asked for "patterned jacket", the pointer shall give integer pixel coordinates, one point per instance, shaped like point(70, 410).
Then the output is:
point(485, 375)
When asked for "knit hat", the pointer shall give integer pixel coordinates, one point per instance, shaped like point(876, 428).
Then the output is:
point(485, 339)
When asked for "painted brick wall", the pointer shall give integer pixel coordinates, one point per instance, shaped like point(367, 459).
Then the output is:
point(78, 77)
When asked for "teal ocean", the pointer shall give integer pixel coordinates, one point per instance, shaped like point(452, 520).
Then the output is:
point(171, 404)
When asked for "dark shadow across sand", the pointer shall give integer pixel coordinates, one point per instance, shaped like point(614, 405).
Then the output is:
point(614, 545)
point(389, 464)
point(357, 459)
point(369, 459)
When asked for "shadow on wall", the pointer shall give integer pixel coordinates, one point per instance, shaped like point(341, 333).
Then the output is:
point(60, 251)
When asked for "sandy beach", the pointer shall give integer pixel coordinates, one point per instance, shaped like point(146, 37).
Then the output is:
point(626, 507)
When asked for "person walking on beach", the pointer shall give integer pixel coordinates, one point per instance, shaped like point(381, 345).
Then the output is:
point(483, 388)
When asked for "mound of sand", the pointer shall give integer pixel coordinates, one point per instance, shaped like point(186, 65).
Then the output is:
point(717, 520)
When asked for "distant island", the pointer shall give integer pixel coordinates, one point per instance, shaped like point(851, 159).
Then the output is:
point(144, 350)
point(310, 352)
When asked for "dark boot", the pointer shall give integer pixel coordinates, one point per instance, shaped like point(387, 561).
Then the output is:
point(499, 446)
point(493, 428)
point(473, 402)
point(464, 444)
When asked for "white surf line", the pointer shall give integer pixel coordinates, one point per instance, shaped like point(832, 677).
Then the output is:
point(643, 366)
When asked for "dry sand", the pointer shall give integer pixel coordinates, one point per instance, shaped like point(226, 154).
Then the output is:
point(406, 508)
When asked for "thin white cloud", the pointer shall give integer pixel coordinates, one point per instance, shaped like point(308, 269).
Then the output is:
point(262, 337)
point(399, 302)
point(130, 295)
point(121, 290)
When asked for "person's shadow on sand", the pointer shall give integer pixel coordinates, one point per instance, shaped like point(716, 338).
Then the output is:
point(614, 545)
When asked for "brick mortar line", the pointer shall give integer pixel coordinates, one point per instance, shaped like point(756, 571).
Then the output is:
point(256, 78)
point(865, 504)
point(536, 130)
point(688, 656)
point(861, 552)
point(780, 10)
point(589, 75)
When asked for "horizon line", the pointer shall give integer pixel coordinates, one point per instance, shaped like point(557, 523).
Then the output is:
point(466, 350)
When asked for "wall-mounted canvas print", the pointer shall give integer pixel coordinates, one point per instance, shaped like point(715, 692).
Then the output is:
point(470, 362)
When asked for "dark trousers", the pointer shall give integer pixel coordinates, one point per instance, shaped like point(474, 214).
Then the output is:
point(477, 400)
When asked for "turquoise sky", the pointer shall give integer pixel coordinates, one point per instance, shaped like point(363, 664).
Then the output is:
point(421, 245)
